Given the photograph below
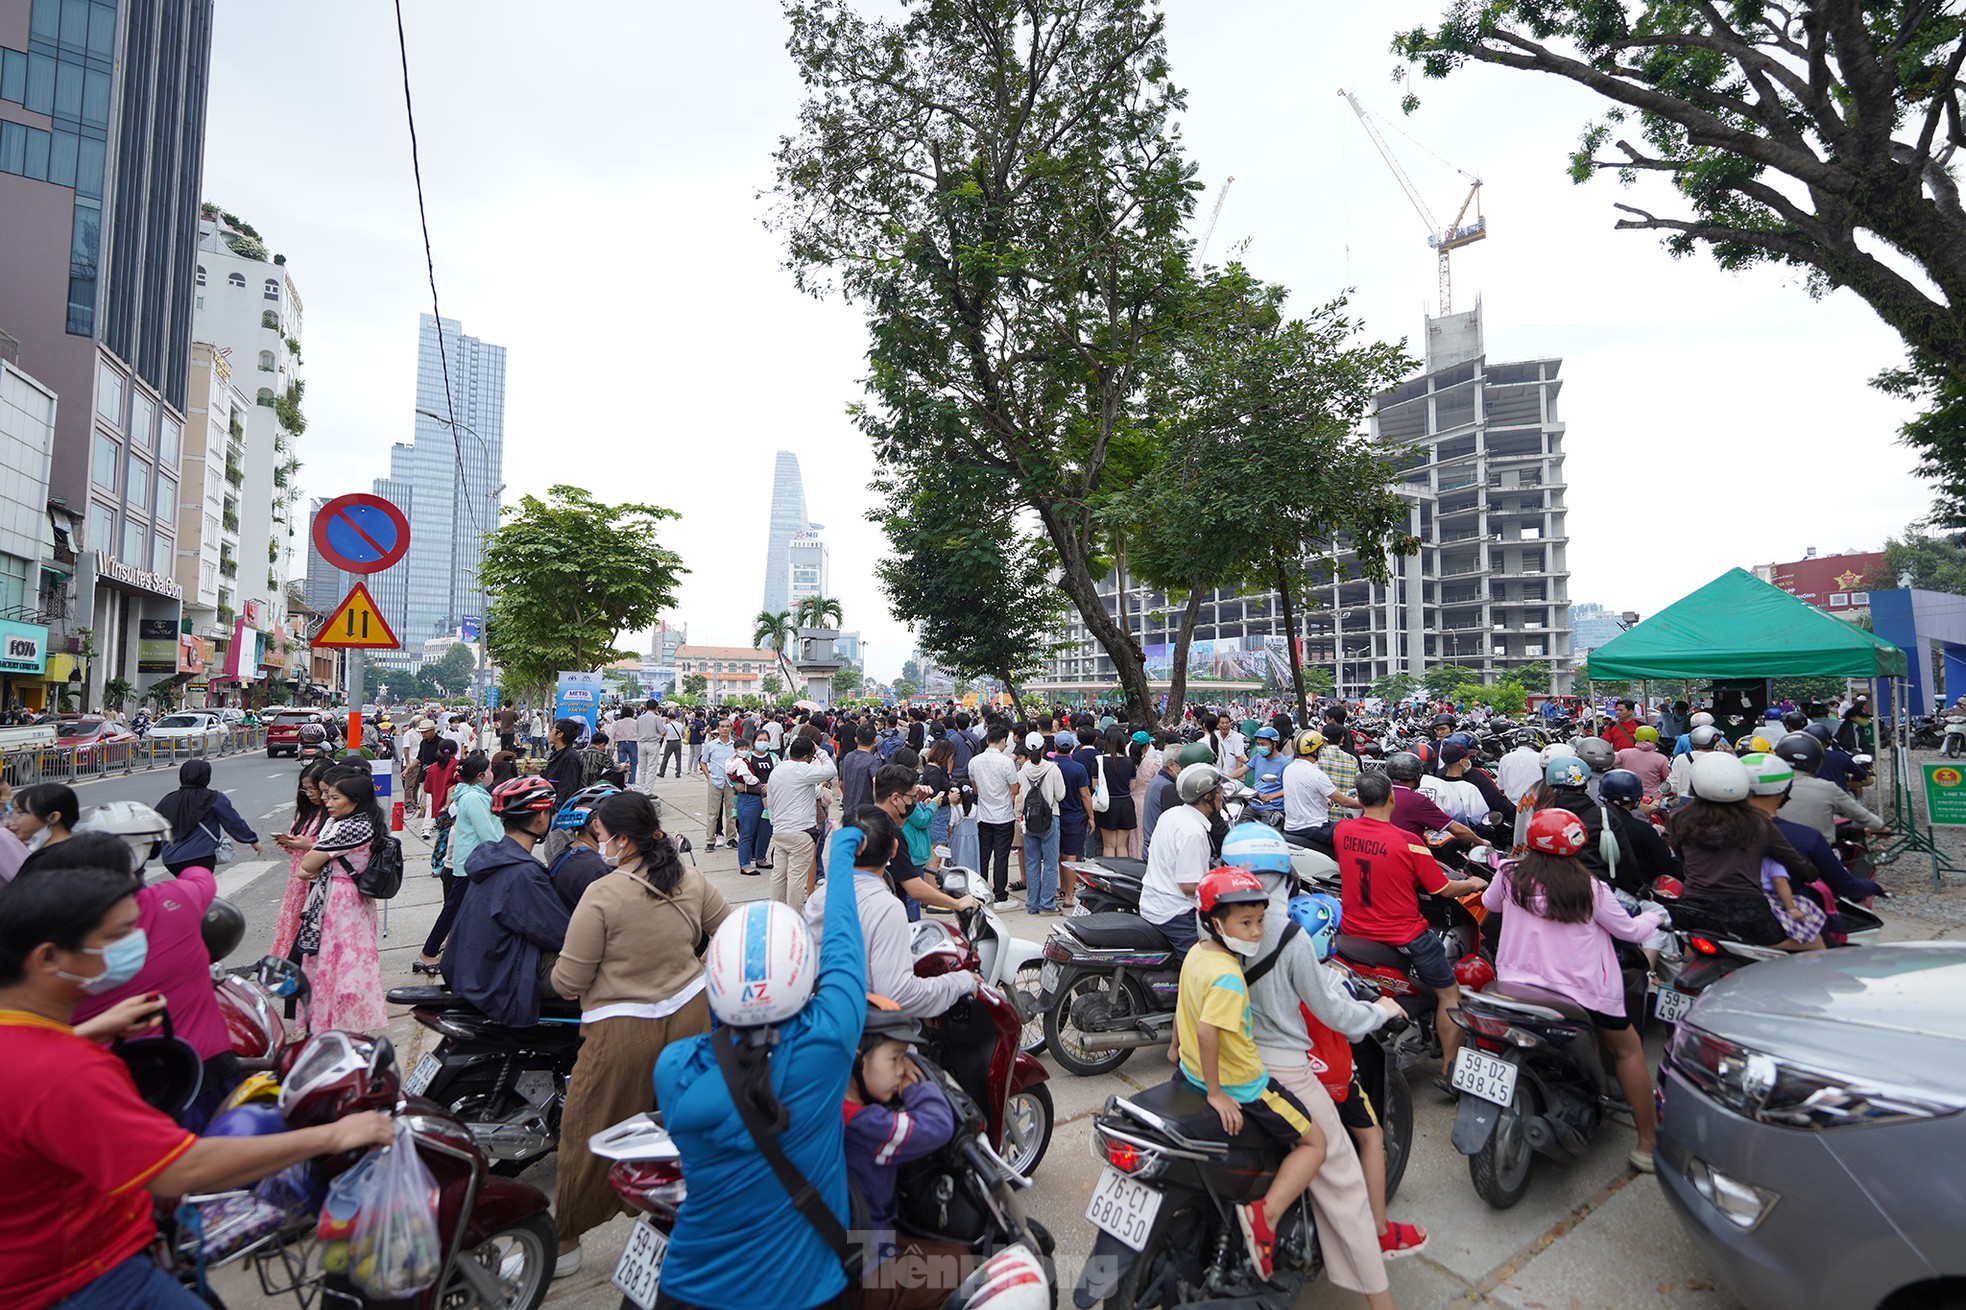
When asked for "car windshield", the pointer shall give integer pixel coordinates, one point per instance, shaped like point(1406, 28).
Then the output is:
point(300, 716)
point(77, 727)
point(182, 721)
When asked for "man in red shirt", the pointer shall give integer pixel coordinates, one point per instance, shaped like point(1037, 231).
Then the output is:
point(83, 1156)
point(1623, 732)
point(1382, 871)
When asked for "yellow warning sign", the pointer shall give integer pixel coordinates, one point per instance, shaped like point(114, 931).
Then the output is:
point(357, 624)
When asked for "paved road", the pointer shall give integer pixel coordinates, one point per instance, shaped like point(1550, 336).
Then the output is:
point(1589, 1235)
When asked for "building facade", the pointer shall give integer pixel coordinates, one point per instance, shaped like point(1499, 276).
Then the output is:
point(788, 520)
point(1835, 584)
point(1477, 449)
point(806, 571)
point(216, 415)
point(728, 670)
point(1591, 625)
point(27, 441)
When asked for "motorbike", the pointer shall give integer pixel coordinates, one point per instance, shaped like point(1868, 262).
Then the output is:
point(1954, 740)
point(1163, 1203)
point(1109, 986)
point(965, 1193)
point(1707, 952)
point(1391, 973)
point(1112, 883)
point(498, 1241)
point(1007, 962)
point(250, 1003)
point(508, 1084)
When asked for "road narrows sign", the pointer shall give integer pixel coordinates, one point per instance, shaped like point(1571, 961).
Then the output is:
point(357, 624)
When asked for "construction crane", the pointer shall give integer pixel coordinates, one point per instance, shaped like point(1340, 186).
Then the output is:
point(1443, 239)
point(1201, 246)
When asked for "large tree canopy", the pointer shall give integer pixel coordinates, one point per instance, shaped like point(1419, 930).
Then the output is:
point(1820, 134)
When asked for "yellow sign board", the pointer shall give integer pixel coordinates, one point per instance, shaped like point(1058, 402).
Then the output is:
point(357, 624)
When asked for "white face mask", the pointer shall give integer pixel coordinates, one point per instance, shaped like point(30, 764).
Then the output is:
point(608, 858)
point(1241, 947)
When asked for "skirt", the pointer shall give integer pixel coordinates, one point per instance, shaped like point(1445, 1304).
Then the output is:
point(1805, 925)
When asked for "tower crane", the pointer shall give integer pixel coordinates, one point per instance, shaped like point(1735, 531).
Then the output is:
point(1443, 239)
point(1201, 246)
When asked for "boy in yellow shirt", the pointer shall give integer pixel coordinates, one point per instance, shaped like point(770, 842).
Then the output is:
point(1216, 1052)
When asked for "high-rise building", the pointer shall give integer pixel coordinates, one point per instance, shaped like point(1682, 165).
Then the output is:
point(805, 567)
point(1478, 453)
point(102, 129)
point(324, 585)
point(390, 588)
point(788, 520)
point(452, 477)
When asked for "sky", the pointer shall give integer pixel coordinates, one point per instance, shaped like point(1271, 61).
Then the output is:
point(593, 171)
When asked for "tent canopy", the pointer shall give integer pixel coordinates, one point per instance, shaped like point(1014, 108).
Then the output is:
point(1738, 626)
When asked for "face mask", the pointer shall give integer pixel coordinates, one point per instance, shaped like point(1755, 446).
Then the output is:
point(1241, 947)
point(123, 960)
point(38, 840)
point(611, 860)
point(1262, 750)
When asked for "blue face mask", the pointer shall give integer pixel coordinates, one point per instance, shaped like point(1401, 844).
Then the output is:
point(1262, 750)
point(123, 960)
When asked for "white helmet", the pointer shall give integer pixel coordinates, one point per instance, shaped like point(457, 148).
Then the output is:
point(1718, 776)
point(760, 967)
point(1700, 720)
point(1556, 750)
point(1012, 1279)
point(1196, 781)
point(136, 823)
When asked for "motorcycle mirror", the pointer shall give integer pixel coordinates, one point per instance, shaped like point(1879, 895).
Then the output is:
point(280, 976)
point(383, 1057)
point(955, 881)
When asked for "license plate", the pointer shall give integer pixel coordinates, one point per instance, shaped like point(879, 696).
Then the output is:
point(422, 1076)
point(640, 1267)
point(1484, 1076)
point(1048, 978)
point(1123, 1207)
point(1078, 908)
point(1671, 1004)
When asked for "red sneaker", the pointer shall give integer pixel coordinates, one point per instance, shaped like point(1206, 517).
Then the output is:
point(1401, 1240)
point(1256, 1232)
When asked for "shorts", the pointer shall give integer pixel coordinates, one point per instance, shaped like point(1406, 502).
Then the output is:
point(1609, 1022)
point(1071, 838)
point(1430, 963)
point(1355, 1111)
point(1279, 1114)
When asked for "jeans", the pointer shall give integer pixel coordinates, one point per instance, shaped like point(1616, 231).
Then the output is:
point(1041, 871)
point(753, 831)
point(630, 754)
point(994, 841)
point(938, 827)
point(135, 1284)
point(716, 809)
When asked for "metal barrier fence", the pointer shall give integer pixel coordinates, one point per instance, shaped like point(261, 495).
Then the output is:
point(116, 758)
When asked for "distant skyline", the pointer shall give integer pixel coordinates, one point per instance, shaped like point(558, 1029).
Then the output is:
point(661, 353)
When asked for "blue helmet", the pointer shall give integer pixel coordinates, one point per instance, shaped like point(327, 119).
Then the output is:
point(1318, 914)
point(1256, 847)
point(1623, 786)
point(580, 806)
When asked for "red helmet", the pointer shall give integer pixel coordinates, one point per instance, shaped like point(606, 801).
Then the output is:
point(524, 796)
point(1473, 973)
point(1425, 751)
point(1556, 832)
point(1230, 886)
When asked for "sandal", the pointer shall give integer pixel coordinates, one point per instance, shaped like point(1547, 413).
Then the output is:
point(1445, 1084)
point(433, 970)
point(1016, 887)
point(1400, 1240)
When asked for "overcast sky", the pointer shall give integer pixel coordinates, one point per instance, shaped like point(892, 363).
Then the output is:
point(591, 172)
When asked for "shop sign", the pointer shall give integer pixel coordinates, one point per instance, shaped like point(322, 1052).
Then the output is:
point(117, 571)
point(23, 648)
point(157, 645)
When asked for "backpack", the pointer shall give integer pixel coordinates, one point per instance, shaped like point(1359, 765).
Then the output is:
point(889, 743)
point(383, 877)
point(1037, 810)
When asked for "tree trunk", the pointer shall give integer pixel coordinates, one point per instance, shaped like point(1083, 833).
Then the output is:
point(1129, 662)
point(1177, 673)
point(1290, 637)
point(1016, 701)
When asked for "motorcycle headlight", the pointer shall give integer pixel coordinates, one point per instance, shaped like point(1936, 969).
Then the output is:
point(1773, 1090)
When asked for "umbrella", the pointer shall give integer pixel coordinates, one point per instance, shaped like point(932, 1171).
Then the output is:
point(807, 705)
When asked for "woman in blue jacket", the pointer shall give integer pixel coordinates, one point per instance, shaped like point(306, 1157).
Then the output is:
point(197, 815)
point(740, 1242)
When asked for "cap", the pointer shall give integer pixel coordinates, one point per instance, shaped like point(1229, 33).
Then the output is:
point(1453, 753)
point(1034, 741)
point(1066, 741)
point(1144, 738)
point(425, 725)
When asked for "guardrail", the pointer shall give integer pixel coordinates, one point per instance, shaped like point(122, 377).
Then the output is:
point(115, 758)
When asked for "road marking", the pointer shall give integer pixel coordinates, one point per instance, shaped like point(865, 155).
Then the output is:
point(240, 876)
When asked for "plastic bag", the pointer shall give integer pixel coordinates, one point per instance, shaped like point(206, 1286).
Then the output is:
point(339, 1211)
point(394, 1250)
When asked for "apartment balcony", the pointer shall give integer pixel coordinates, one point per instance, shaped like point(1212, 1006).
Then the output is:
point(1471, 568)
point(1444, 511)
point(1450, 538)
point(1463, 596)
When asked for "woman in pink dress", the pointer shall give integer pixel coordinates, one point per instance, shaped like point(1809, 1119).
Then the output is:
point(1146, 771)
point(308, 817)
point(337, 937)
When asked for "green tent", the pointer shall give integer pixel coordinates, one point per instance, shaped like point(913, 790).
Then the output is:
point(1738, 626)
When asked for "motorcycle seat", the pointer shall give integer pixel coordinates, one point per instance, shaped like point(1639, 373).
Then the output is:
point(1185, 1106)
point(439, 997)
point(1361, 951)
point(1117, 930)
point(1548, 1000)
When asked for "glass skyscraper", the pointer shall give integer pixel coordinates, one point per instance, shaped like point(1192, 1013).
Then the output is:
point(788, 520)
point(448, 486)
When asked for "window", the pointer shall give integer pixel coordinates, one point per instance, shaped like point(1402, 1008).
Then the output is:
point(102, 528)
point(170, 435)
point(166, 499)
point(13, 75)
point(207, 578)
point(161, 559)
point(102, 465)
point(201, 275)
point(273, 289)
point(266, 361)
point(133, 544)
point(236, 279)
point(143, 419)
point(109, 395)
point(1839, 600)
point(139, 485)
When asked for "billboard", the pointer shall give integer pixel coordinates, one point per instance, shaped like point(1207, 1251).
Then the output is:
point(578, 696)
point(1230, 659)
point(1829, 582)
point(157, 645)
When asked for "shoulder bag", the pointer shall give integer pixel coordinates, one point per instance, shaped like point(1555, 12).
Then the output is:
point(1101, 797)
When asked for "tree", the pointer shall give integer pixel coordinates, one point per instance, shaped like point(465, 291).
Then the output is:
point(1934, 563)
point(775, 632)
point(398, 685)
point(567, 575)
point(1260, 462)
point(1393, 686)
point(117, 692)
point(1813, 135)
point(695, 684)
point(847, 681)
point(911, 670)
point(1507, 697)
point(770, 685)
point(999, 184)
point(813, 611)
point(1448, 681)
point(455, 670)
point(1533, 676)
point(1317, 680)
point(904, 688)
point(953, 542)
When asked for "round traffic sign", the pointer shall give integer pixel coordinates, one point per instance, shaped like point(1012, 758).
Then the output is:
point(361, 533)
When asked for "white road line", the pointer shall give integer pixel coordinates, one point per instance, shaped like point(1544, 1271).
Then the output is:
point(236, 879)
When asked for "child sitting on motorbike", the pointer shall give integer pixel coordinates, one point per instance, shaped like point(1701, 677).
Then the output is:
point(1559, 923)
point(1216, 1052)
point(894, 1114)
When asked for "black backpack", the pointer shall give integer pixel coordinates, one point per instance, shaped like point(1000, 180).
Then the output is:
point(383, 877)
point(1037, 810)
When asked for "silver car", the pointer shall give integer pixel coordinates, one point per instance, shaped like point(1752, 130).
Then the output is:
point(1811, 1137)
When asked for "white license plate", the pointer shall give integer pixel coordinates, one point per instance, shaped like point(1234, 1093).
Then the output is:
point(1484, 1076)
point(640, 1267)
point(1078, 908)
point(422, 1076)
point(1123, 1207)
point(1671, 1004)
point(1048, 978)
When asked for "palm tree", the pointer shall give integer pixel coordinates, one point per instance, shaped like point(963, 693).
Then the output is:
point(774, 632)
point(813, 611)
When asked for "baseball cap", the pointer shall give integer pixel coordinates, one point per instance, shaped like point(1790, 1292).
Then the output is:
point(1453, 753)
point(1067, 741)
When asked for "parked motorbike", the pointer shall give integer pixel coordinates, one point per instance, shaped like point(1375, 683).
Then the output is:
point(1109, 986)
point(1391, 973)
point(1954, 740)
point(1707, 952)
point(1007, 962)
point(508, 1084)
point(965, 1193)
point(498, 1241)
point(251, 1004)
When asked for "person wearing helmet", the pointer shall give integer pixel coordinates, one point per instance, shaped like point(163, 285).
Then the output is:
point(1518, 771)
point(1383, 870)
point(83, 1155)
point(894, 1115)
point(1702, 739)
point(1644, 759)
point(1266, 769)
point(1453, 789)
point(1560, 929)
point(1340, 763)
point(1770, 779)
point(1622, 799)
point(1303, 1020)
point(1683, 744)
point(791, 1019)
point(1414, 810)
point(579, 864)
point(1181, 855)
point(1816, 802)
point(1309, 792)
point(1722, 842)
point(1565, 788)
point(1215, 1052)
point(1839, 767)
point(511, 915)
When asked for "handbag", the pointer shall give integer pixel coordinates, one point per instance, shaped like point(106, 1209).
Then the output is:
point(222, 852)
point(383, 876)
point(1101, 797)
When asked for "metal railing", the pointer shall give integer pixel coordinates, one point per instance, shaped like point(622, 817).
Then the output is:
point(134, 755)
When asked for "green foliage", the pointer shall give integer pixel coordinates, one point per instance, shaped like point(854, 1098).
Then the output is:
point(911, 669)
point(695, 684)
point(1935, 563)
point(814, 611)
point(117, 692)
point(1508, 697)
point(1001, 187)
point(453, 673)
point(1394, 686)
point(1786, 130)
point(1801, 690)
point(396, 686)
point(567, 575)
point(1533, 676)
point(848, 681)
point(1318, 680)
point(247, 248)
point(771, 685)
point(904, 688)
point(1449, 682)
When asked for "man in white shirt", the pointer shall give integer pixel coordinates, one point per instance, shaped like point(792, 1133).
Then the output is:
point(1307, 796)
point(994, 776)
point(1461, 799)
point(792, 796)
point(1519, 770)
point(1183, 851)
point(672, 746)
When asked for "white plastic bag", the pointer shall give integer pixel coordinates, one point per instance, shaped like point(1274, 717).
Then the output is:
point(395, 1250)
